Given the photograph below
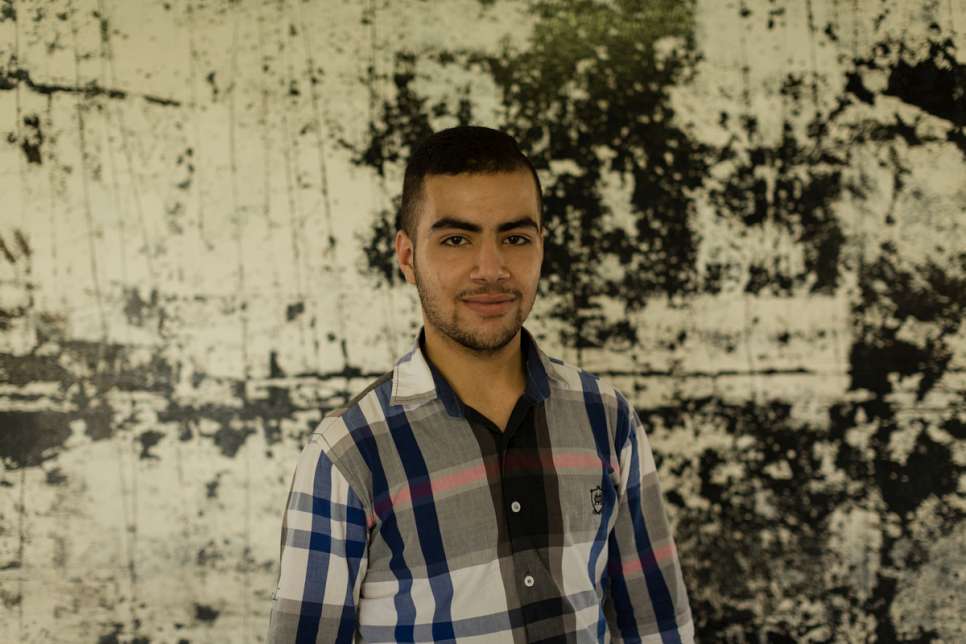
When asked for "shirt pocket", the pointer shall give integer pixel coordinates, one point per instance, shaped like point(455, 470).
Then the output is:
point(587, 499)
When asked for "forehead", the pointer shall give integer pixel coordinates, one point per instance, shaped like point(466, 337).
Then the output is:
point(481, 197)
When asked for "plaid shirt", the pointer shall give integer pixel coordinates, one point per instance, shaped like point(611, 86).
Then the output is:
point(413, 518)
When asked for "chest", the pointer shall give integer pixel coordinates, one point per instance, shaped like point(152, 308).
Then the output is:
point(498, 407)
point(461, 489)
point(499, 413)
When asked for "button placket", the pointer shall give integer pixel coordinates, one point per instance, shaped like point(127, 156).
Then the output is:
point(515, 489)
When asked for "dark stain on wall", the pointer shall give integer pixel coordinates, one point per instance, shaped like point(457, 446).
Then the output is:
point(935, 84)
point(893, 296)
point(800, 198)
point(774, 507)
point(149, 439)
point(55, 476)
point(31, 139)
point(30, 438)
point(139, 310)
point(115, 636)
point(205, 613)
point(294, 310)
point(934, 81)
point(212, 486)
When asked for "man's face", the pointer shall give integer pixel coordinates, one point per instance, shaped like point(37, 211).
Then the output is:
point(477, 237)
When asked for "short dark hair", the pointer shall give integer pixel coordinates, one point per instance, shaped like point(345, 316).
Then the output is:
point(464, 149)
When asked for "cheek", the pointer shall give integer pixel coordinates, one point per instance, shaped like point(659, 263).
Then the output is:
point(445, 281)
point(533, 271)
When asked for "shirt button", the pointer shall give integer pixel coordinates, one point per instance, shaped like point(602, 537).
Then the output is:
point(515, 506)
point(528, 581)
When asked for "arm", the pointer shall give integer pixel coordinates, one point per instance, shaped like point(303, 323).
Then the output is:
point(647, 600)
point(322, 555)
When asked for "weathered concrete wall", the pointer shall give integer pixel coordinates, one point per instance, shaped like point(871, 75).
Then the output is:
point(756, 216)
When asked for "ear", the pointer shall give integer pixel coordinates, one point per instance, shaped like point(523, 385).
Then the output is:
point(404, 255)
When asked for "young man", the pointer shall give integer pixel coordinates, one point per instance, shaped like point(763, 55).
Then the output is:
point(481, 491)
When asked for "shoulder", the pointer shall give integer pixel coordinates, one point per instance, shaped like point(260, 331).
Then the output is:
point(576, 379)
point(597, 406)
point(344, 433)
point(356, 414)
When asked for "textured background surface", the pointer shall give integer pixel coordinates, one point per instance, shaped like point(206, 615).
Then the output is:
point(756, 215)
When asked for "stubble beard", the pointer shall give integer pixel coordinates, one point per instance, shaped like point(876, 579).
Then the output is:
point(481, 343)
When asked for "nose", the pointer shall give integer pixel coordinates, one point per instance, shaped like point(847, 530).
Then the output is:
point(490, 266)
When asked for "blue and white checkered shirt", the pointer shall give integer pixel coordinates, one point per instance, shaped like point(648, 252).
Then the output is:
point(414, 518)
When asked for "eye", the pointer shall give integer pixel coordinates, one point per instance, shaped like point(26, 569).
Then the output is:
point(521, 240)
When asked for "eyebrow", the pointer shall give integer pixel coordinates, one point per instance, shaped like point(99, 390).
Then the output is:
point(462, 224)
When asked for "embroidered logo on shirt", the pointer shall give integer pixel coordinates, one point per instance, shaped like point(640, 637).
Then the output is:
point(597, 499)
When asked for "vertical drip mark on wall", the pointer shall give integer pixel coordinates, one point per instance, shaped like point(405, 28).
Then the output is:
point(129, 495)
point(184, 562)
point(236, 214)
point(370, 13)
point(242, 298)
point(840, 353)
point(185, 569)
point(267, 166)
point(52, 200)
point(334, 270)
point(23, 281)
point(18, 115)
point(751, 129)
point(743, 11)
point(108, 52)
point(811, 51)
point(248, 560)
point(91, 242)
point(290, 150)
point(855, 30)
point(197, 184)
point(782, 157)
point(55, 189)
point(21, 541)
point(860, 250)
point(107, 59)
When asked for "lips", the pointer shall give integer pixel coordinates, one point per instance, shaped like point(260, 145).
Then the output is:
point(490, 304)
point(489, 299)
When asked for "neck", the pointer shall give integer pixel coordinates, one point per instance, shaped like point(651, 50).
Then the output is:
point(476, 377)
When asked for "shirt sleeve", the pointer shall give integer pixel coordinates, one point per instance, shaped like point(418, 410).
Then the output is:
point(322, 558)
point(647, 600)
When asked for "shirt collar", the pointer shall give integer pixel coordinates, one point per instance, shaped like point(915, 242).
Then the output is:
point(415, 380)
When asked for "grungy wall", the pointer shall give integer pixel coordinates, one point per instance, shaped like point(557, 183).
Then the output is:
point(756, 227)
